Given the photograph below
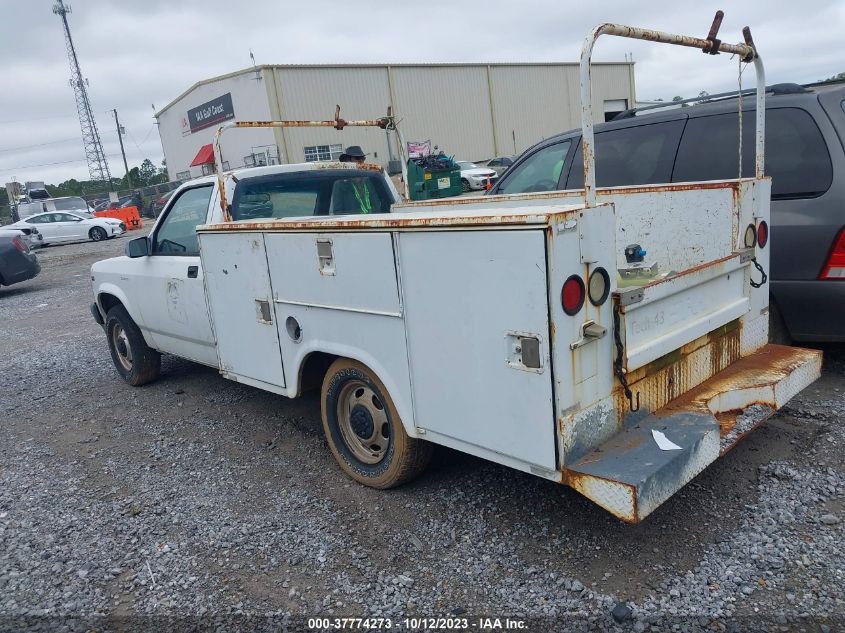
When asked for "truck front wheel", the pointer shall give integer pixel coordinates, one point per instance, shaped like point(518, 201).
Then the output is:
point(364, 430)
point(134, 360)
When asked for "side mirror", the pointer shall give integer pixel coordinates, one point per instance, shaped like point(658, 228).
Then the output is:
point(139, 247)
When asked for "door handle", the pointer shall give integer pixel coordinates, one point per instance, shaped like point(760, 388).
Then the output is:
point(193, 271)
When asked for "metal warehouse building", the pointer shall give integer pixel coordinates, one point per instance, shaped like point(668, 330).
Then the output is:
point(472, 111)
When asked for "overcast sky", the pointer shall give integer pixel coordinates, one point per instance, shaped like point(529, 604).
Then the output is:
point(138, 54)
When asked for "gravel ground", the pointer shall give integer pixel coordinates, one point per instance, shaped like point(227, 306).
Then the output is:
point(196, 503)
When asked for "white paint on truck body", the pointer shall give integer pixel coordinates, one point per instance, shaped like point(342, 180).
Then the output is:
point(439, 300)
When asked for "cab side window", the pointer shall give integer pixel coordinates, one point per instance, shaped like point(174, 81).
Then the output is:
point(177, 233)
point(638, 155)
point(538, 172)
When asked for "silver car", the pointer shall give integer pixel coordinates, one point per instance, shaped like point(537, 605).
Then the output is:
point(500, 164)
point(29, 234)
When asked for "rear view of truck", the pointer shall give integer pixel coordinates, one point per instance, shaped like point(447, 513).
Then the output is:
point(614, 340)
point(658, 307)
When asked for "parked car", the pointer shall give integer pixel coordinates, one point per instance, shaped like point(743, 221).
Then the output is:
point(17, 262)
point(500, 164)
point(475, 177)
point(123, 201)
point(159, 203)
point(70, 227)
point(30, 235)
point(64, 203)
point(805, 129)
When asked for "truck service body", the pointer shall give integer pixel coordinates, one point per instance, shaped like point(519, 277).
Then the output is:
point(512, 327)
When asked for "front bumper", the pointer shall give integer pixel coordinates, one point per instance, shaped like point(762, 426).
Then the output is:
point(117, 229)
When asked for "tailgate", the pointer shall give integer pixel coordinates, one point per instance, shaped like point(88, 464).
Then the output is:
point(665, 315)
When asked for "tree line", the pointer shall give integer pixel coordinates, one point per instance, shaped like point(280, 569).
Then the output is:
point(143, 175)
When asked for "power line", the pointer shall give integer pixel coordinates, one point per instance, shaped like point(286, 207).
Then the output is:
point(40, 118)
point(66, 140)
point(61, 162)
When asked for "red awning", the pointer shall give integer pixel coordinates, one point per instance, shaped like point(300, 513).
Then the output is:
point(204, 156)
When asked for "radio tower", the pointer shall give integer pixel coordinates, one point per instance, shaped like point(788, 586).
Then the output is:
point(98, 167)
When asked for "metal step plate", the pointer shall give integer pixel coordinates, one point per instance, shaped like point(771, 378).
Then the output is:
point(631, 474)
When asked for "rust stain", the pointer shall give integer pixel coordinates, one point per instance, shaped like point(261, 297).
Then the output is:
point(391, 221)
point(660, 382)
point(577, 193)
point(582, 483)
point(690, 271)
point(765, 367)
point(337, 123)
point(743, 50)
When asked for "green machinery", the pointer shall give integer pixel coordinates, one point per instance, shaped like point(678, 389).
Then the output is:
point(433, 177)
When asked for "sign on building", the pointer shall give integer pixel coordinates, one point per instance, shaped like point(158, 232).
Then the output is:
point(209, 113)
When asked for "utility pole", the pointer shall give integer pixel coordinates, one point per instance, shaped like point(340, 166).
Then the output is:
point(120, 138)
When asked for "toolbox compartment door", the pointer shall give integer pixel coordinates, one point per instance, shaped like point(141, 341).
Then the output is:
point(477, 319)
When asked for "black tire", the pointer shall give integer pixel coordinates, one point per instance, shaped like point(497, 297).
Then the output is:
point(399, 459)
point(778, 332)
point(135, 361)
point(465, 185)
point(97, 234)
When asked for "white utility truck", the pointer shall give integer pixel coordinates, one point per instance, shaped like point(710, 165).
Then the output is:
point(526, 329)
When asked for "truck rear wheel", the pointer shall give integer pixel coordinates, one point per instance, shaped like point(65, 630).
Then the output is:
point(364, 430)
point(134, 360)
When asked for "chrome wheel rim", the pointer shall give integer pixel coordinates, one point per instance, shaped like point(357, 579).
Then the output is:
point(97, 235)
point(121, 346)
point(363, 422)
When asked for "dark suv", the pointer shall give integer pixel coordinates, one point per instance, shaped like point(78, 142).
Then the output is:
point(805, 132)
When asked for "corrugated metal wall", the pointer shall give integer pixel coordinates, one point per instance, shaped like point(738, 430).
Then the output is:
point(312, 93)
point(449, 105)
point(472, 111)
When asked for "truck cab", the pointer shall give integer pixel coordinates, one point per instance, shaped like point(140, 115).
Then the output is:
point(162, 291)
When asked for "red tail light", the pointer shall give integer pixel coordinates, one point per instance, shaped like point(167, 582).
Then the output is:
point(572, 295)
point(762, 234)
point(20, 244)
point(835, 266)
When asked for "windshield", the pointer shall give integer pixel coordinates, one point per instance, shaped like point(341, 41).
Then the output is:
point(70, 204)
point(84, 214)
point(467, 165)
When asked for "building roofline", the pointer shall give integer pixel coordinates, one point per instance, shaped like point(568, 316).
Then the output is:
point(262, 67)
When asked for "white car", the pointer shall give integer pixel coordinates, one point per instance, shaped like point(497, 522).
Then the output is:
point(475, 177)
point(66, 226)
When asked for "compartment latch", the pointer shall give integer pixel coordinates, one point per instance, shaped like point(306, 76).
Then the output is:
point(590, 331)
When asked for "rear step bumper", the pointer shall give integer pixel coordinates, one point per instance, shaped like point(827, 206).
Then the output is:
point(629, 475)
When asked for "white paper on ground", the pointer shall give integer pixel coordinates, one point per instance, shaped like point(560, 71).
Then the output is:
point(663, 442)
